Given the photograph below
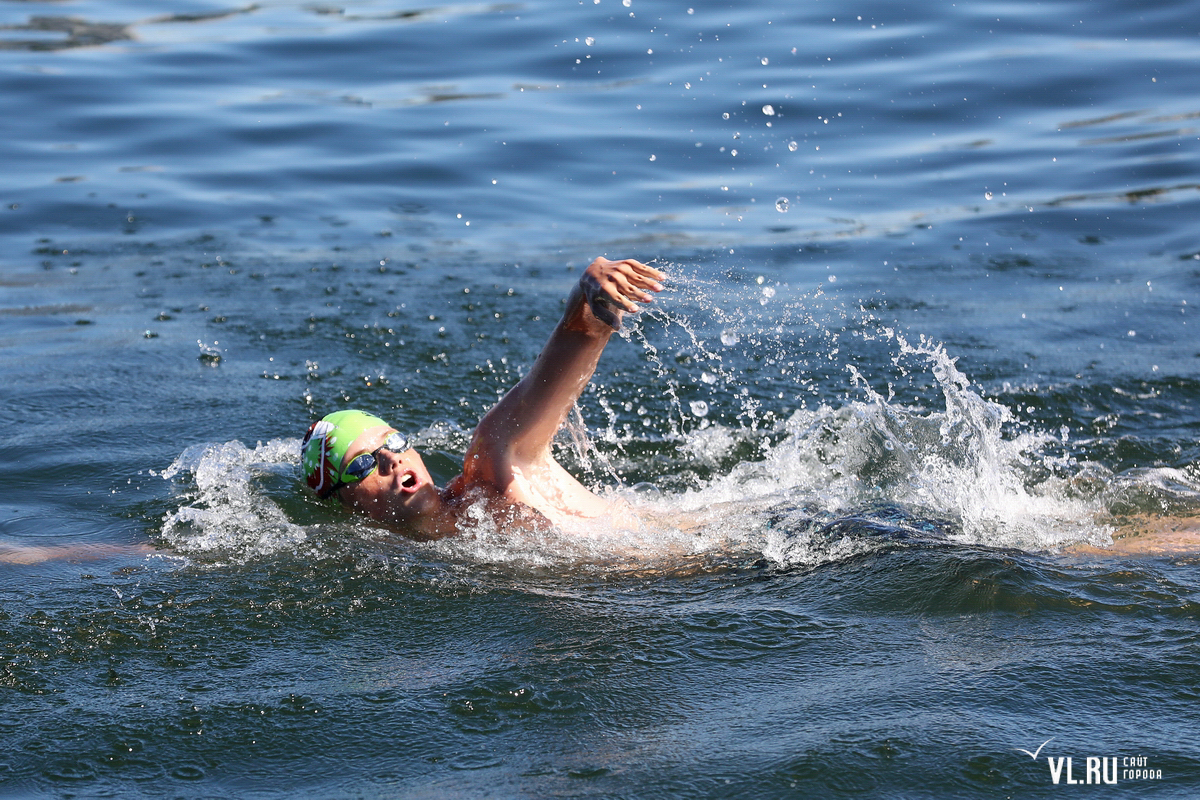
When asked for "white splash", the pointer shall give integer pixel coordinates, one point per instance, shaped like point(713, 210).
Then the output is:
point(223, 512)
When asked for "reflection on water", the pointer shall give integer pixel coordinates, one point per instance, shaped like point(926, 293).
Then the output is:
point(1153, 194)
point(417, 13)
point(72, 32)
point(63, 33)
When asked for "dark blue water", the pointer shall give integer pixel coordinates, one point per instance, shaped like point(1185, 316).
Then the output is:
point(915, 427)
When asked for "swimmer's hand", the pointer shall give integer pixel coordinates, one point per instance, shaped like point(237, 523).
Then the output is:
point(612, 287)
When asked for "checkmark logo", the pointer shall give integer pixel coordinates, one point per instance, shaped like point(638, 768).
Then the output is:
point(1034, 754)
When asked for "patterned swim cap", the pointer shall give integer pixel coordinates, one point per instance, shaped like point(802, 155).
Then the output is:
point(326, 443)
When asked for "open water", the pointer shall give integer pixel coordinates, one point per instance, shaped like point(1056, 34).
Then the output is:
point(931, 328)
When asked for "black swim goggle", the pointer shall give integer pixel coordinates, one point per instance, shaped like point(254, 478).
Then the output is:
point(362, 466)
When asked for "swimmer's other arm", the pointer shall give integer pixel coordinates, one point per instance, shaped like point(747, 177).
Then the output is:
point(36, 554)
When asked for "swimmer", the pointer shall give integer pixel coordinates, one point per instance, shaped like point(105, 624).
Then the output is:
point(509, 470)
point(371, 468)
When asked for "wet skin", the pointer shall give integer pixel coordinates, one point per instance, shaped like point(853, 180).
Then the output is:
point(398, 490)
point(509, 464)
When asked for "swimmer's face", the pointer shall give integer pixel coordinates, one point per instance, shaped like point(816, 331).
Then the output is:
point(400, 488)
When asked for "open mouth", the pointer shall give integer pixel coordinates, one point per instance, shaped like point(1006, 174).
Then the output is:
point(409, 482)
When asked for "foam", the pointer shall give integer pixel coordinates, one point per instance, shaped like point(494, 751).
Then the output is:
point(222, 511)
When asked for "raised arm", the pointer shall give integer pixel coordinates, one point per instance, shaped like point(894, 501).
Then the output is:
point(519, 429)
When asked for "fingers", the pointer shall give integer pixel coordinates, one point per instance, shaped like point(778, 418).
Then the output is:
point(630, 265)
point(613, 286)
point(640, 274)
point(619, 291)
point(635, 286)
point(628, 290)
point(629, 275)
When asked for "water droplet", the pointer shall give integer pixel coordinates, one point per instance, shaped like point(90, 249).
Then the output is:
point(589, 41)
point(729, 338)
point(768, 291)
point(765, 61)
point(708, 377)
point(699, 408)
point(733, 152)
point(781, 205)
point(987, 195)
point(833, 278)
point(653, 157)
point(209, 354)
point(793, 146)
point(769, 110)
point(725, 115)
point(627, 3)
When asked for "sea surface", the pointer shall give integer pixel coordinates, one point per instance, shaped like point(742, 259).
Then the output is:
point(929, 344)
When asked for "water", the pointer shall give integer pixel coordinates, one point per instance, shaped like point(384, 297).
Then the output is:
point(927, 347)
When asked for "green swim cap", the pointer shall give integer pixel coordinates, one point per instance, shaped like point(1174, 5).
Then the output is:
point(326, 443)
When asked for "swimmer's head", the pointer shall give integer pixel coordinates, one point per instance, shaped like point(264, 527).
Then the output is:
point(372, 469)
point(325, 446)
